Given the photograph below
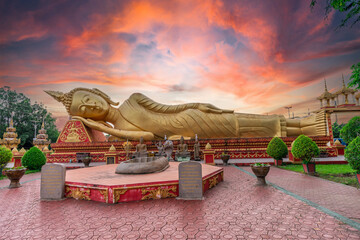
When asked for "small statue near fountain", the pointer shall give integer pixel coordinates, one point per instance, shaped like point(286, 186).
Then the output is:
point(141, 163)
point(196, 149)
point(141, 149)
point(168, 148)
point(161, 150)
point(182, 154)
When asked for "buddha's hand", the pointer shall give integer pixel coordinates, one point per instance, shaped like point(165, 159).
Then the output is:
point(90, 123)
point(209, 108)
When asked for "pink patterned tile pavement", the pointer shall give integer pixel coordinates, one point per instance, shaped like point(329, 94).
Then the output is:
point(235, 209)
point(342, 199)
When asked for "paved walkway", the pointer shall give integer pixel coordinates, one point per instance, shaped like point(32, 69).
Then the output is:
point(337, 197)
point(235, 209)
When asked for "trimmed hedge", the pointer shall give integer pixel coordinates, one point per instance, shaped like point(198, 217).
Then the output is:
point(33, 159)
point(5, 156)
point(277, 149)
point(305, 148)
point(352, 154)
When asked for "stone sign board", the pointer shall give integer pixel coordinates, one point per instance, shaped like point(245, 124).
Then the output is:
point(52, 181)
point(190, 181)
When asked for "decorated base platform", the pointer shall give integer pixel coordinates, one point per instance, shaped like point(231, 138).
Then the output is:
point(101, 184)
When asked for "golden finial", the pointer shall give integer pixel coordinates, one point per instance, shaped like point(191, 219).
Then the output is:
point(43, 125)
point(325, 85)
point(11, 123)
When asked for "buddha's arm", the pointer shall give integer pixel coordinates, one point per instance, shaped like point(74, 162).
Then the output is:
point(124, 134)
point(162, 108)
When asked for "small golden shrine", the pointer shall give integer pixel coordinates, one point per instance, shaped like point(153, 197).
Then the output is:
point(41, 140)
point(10, 139)
point(327, 97)
point(345, 92)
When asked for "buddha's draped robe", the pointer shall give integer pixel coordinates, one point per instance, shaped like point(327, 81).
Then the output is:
point(187, 120)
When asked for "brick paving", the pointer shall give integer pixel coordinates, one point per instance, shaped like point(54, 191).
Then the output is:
point(235, 209)
point(336, 197)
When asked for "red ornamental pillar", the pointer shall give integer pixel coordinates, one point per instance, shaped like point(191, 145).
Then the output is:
point(209, 155)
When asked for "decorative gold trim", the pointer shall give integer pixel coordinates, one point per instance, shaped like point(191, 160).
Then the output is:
point(105, 193)
point(117, 194)
point(213, 181)
point(158, 193)
point(78, 194)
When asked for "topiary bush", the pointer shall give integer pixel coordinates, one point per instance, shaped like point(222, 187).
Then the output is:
point(5, 156)
point(277, 149)
point(351, 130)
point(305, 149)
point(352, 154)
point(33, 159)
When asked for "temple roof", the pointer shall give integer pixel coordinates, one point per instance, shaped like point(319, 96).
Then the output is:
point(326, 94)
point(344, 89)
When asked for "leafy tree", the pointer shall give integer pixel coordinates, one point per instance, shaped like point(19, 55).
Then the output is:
point(351, 130)
point(5, 157)
point(355, 76)
point(352, 10)
point(25, 116)
point(33, 159)
point(352, 154)
point(277, 149)
point(336, 129)
point(305, 149)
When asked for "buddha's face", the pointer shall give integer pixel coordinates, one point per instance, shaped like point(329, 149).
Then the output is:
point(141, 140)
point(89, 105)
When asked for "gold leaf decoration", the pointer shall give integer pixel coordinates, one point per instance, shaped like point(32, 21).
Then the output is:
point(117, 194)
point(158, 193)
point(78, 194)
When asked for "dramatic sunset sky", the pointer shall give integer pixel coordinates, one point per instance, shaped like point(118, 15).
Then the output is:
point(251, 56)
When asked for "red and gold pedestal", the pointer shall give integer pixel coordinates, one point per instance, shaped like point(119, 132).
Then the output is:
point(209, 156)
point(340, 149)
point(17, 160)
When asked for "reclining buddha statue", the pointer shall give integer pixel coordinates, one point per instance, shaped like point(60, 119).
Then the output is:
point(140, 116)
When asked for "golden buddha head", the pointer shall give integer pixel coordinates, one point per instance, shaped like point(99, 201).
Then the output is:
point(84, 102)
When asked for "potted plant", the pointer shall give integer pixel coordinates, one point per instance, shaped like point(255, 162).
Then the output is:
point(5, 157)
point(260, 170)
point(306, 149)
point(15, 174)
point(352, 156)
point(87, 161)
point(277, 149)
point(225, 157)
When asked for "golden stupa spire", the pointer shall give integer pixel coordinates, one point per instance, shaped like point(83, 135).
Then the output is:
point(43, 125)
point(11, 122)
point(325, 85)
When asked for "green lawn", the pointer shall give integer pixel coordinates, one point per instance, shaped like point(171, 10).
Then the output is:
point(341, 173)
